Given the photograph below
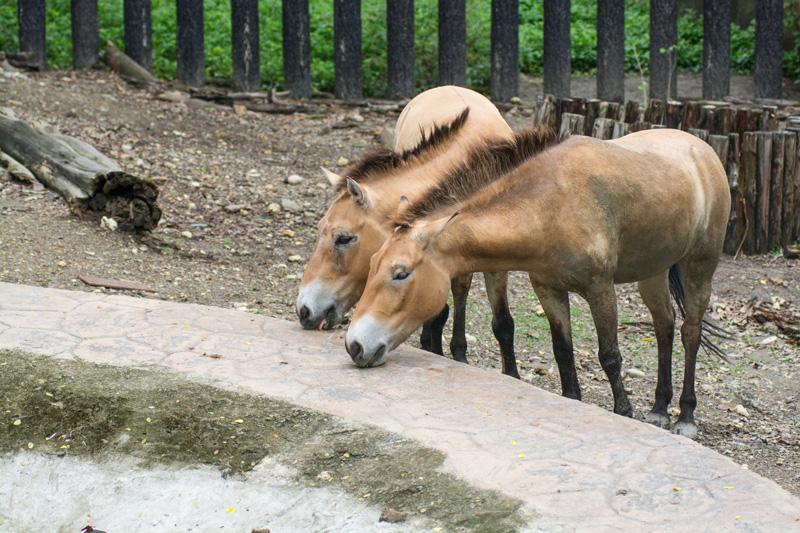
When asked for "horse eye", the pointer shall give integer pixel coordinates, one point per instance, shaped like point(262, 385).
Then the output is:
point(344, 240)
point(400, 275)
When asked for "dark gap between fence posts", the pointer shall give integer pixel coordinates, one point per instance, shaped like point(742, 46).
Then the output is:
point(400, 49)
point(296, 48)
point(716, 49)
point(190, 42)
point(768, 59)
point(663, 50)
point(611, 50)
point(505, 49)
point(556, 46)
point(32, 30)
point(138, 32)
point(348, 81)
point(245, 49)
point(85, 34)
point(453, 42)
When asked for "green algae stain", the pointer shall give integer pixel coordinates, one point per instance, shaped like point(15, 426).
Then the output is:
point(65, 407)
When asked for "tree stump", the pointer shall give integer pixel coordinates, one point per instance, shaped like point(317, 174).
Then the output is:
point(84, 177)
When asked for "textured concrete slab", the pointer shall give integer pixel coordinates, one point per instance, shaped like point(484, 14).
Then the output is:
point(576, 466)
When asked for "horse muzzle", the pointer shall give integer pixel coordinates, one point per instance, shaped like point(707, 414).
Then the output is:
point(366, 342)
point(317, 308)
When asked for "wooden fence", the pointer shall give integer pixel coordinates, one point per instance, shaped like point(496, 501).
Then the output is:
point(759, 148)
point(452, 45)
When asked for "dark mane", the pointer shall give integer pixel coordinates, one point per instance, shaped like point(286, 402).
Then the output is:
point(379, 160)
point(483, 165)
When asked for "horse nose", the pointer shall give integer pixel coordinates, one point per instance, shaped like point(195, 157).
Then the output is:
point(355, 349)
point(304, 312)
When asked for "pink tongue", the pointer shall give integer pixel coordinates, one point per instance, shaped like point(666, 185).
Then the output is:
point(322, 324)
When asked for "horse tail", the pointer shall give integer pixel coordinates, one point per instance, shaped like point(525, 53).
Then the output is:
point(709, 327)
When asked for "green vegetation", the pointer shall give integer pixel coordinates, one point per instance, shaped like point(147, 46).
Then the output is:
point(218, 48)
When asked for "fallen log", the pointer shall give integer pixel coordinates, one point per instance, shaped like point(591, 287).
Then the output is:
point(123, 64)
point(84, 177)
point(786, 321)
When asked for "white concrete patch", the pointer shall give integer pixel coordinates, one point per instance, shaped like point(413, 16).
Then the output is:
point(45, 493)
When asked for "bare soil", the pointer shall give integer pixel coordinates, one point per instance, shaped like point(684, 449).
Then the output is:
point(234, 234)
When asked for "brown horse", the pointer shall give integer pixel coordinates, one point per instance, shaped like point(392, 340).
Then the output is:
point(581, 215)
point(434, 132)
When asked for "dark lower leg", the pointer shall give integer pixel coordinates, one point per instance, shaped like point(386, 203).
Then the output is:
point(458, 344)
point(431, 336)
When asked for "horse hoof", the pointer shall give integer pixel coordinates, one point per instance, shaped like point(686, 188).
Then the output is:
point(686, 429)
point(658, 419)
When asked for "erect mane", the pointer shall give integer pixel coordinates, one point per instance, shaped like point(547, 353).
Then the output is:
point(378, 160)
point(483, 165)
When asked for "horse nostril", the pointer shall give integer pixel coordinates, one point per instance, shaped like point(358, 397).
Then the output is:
point(304, 312)
point(356, 350)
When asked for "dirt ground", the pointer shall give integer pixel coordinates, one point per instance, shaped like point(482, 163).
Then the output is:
point(235, 234)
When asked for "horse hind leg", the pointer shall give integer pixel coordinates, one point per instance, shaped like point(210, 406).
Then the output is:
point(697, 282)
point(458, 344)
point(556, 308)
point(656, 296)
point(603, 304)
point(502, 321)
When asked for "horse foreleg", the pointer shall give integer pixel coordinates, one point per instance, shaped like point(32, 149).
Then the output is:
point(556, 308)
point(502, 321)
point(655, 294)
point(603, 304)
point(458, 344)
point(431, 337)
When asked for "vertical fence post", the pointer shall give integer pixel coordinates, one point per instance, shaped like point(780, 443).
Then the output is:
point(663, 50)
point(452, 42)
point(611, 50)
point(245, 45)
point(769, 48)
point(190, 42)
point(139, 32)
point(296, 48)
point(505, 49)
point(400, 48)
point(85, 34)
point(557, 43)
point(348, 80)
point(31, 17)
point(716, 49)
point(789, 172)
point(763, 175)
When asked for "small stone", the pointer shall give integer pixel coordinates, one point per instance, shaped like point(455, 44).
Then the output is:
point(741, 410)
point(194, 184)
point(309, 214)
point(391, 516)
point(239, 109)
point(294, 179)
point(253, 173)
point(61, 264)
point(288, 204)
point(324, 476)
point(769, 327)
point(634, 373)
point(273, 208)
point(469, 338)
point(357, 118)
point(191, 206)
point(769, 340)
point(342, 162)
point(234, 208)
point(674, 411)
point(186, 234)
point(515, 100)
point(108, 223)
point(288, 233)
point(294, 258)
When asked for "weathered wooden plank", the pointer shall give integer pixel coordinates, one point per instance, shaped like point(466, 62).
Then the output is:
point(789, 172)
point(118, 284)
point(592, 113)
point(763, 174)
point(716, 49)
point(85, 34)
point(556, 45)
point(505, 49)
point(572, 123)
point(673, 115)
point(190, 39)
point(776, 191)
point(31, 15)
point(747, 188)
point(620, 129)
point(611, 50)
point(348, 75)
point(736, 220)
point(654, 113)
point(700, 134)
point(603, 128)
point(768, 60)
point(453, 43)
point(138, 32)
point(245, 45)
point(297, 47)
point(632, 112)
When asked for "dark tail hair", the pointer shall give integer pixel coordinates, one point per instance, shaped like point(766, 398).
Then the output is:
point(709, 327)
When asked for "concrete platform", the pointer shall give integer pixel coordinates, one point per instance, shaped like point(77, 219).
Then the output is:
point(575, 466)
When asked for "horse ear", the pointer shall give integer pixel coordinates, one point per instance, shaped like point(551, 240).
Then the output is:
point(360, 194)
point(334, 179)
point(404, 201)
point(427, 233)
